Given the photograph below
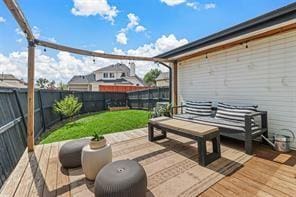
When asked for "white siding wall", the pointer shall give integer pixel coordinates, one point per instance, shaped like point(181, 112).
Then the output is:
point(263, 74)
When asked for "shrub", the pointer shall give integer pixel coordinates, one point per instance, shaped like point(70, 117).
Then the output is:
point(68, 107)
point(162, 110)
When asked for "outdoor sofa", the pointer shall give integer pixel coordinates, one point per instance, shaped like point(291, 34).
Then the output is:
point(241, 122)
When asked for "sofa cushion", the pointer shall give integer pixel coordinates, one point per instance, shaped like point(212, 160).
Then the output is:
point(234, 113)
point(185, 116)
point(223, 123)
point(198, 108)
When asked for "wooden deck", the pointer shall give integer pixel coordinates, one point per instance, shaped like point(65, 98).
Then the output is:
point(170, 165)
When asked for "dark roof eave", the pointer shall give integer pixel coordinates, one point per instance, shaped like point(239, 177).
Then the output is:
point(271, 18)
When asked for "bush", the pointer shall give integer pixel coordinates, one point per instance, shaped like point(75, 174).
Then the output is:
point(68, 107)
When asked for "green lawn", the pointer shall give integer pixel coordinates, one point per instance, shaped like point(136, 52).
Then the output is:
point(104, 122)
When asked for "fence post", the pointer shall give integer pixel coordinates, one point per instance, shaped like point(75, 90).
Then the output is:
point(61, 97)
point(104, 100)
point(126, 100)
point(42, 111)
point(159, 99)
point(20, 107)
point(149, 99)
point(138, 99)
point(83, 103)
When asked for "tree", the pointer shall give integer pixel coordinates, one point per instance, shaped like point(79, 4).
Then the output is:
point(68, 107)
point(42, 83)
point(62, 86)
point(150, 77)
point(51, 85)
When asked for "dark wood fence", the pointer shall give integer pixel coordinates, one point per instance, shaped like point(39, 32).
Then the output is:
point(147, 99)
point(13, 114)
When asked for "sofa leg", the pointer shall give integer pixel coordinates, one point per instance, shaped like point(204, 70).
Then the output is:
point(249, 147)
point(265, 134)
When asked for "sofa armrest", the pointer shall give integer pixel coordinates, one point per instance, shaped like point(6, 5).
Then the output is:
point(177, 107)
point(248, 120)
point(258, 113)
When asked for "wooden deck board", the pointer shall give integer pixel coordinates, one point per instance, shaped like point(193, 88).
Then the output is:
point(63, 181)
point(51, 175)
point(13, 181)
point(39, 181)
point(168, 163)
point(30, 173)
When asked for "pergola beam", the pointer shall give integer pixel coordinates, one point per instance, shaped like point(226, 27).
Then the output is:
point(13, 7)
point(97, 54)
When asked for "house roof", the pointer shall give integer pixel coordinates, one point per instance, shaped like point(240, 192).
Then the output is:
point(9, 77)
point(163, 76)
point(269, 19)
point(82, 79)
point(134, 80)
point(90, 78)
point(121, 80)
point(115, 67)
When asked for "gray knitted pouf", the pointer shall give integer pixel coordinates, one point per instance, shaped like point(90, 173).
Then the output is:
point(125, 178)
point(70, 153)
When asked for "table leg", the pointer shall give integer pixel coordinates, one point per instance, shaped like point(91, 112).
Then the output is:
point(204, 158)
point(151, 136)
point(202, 151)
point(150, 132)
point(216, 145)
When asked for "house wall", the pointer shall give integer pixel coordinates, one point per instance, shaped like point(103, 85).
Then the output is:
point(117, 74)
point(162, 83)
point(263, 74)
point(79, 87)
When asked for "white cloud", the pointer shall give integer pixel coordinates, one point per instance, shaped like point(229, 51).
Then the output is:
point(36, 31)
point(190, 3)
point(121, 38)
point(133, 24)
point(173, 2)
point(134, 20)
point(63, 65)
point(193, 5)
point(140, 28)
point(210, 6)
point(2, 19)
point(94, 7)
point(53, 40)
point(20, 32)
point(161, 45)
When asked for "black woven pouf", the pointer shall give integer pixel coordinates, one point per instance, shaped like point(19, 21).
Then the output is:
point(70, 153)
point(125, 178)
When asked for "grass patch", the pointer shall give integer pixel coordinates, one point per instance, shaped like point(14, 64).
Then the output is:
point(104, 122)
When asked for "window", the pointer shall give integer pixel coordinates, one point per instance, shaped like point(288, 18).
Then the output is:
point(105, 75)
point(122, 74)
point(111, 75)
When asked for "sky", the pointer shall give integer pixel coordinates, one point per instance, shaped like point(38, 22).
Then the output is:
point(141, 27)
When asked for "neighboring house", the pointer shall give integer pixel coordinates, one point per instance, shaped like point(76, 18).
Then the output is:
point(251, 63)
point(118, 75)
point(10, 81)
point(163, 80)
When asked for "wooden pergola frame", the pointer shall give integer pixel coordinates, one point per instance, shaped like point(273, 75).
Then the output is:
point(174, 61)
point(14, 8)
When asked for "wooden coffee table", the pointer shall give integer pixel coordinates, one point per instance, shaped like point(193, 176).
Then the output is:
point(199, 132)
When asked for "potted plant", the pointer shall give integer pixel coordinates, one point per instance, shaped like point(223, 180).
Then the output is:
point(98, 141)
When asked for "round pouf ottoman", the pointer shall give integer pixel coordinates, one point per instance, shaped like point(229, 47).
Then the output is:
point(70, 153)
point(124, 178)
